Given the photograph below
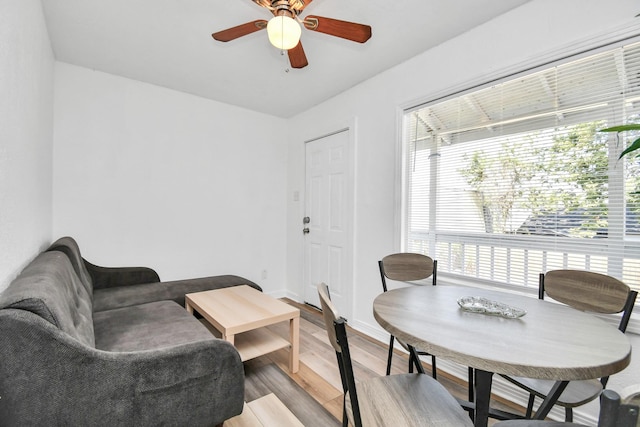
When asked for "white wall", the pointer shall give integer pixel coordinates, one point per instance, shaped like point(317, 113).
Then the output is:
point(149, 176)
point(26, 129)
point(540, 29)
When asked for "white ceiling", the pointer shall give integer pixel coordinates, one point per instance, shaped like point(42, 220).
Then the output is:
point(168, 43)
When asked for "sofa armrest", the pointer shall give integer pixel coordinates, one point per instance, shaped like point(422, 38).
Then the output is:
point(108, 277)
point(48, 377)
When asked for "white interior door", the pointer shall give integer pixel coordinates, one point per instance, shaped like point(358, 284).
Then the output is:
point(327, 243)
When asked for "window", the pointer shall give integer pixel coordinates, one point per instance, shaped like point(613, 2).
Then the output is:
point(508, 181)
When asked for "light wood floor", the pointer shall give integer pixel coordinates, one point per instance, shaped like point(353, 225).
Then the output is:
point(319, 376)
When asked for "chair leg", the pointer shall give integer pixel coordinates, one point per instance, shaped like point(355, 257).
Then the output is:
point(568, 414)
point(434, 372)
point(345, 418)
point(413, 356)
point(391, 355)
point(471, 384)
point(471, 392)
point(529, 413)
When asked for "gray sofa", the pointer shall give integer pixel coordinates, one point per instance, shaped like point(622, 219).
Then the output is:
point(86, 345)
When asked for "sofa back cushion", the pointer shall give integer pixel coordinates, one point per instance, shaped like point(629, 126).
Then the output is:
point(50, 288)
point(70, 247)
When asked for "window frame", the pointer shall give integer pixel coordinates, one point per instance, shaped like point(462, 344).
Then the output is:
point(567, 54)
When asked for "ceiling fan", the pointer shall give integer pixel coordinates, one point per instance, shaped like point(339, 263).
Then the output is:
point(284, 28)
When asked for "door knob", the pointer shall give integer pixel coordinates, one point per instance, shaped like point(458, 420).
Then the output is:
point(306, 220)
point(305, 230)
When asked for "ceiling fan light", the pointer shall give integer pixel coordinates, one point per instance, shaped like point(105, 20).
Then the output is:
point(284, 32)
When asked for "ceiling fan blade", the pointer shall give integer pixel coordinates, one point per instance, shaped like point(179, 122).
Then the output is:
point(240, 30)
point(347, 30)
point(297, 58)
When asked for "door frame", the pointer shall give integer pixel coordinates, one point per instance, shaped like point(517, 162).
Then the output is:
point(351, 127)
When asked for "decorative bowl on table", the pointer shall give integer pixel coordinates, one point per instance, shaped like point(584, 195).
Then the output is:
point(487, 306)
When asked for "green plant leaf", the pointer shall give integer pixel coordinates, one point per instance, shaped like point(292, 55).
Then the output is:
point(621, 128)
point(633, 147)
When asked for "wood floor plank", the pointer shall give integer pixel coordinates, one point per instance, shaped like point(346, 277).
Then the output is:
point(262, 379)
point(246, 419)
point(309, 379)
point(334, 406)
point(327, 369)
point(272, 412)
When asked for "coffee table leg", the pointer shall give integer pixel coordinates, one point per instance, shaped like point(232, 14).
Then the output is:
point(294, 339)
point(230, 337)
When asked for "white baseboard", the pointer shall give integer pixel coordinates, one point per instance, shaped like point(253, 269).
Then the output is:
point(284, 293)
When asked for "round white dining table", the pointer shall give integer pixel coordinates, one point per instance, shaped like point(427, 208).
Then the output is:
point(551, 341)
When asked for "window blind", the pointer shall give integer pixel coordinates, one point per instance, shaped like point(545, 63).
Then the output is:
point(515, 179)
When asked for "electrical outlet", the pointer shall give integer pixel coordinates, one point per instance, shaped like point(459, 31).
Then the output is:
point(264, 274)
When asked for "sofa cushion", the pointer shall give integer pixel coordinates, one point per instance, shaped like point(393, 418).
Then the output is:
point(147, 327)
point(50, 288)
point(70, 247)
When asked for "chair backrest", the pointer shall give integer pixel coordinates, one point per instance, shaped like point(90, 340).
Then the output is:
point(407, 267)
point(589, 291)
point(631, 396)
point(330, 314)
point(337, 332)
point(615, 413)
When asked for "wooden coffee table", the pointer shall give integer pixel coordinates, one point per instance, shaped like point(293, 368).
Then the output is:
point(240, 313)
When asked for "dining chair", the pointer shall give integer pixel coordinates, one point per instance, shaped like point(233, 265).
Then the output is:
point(614, 412)
point(408, 267)
point(585, 291)
point(403, 400)
point(631, 396)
